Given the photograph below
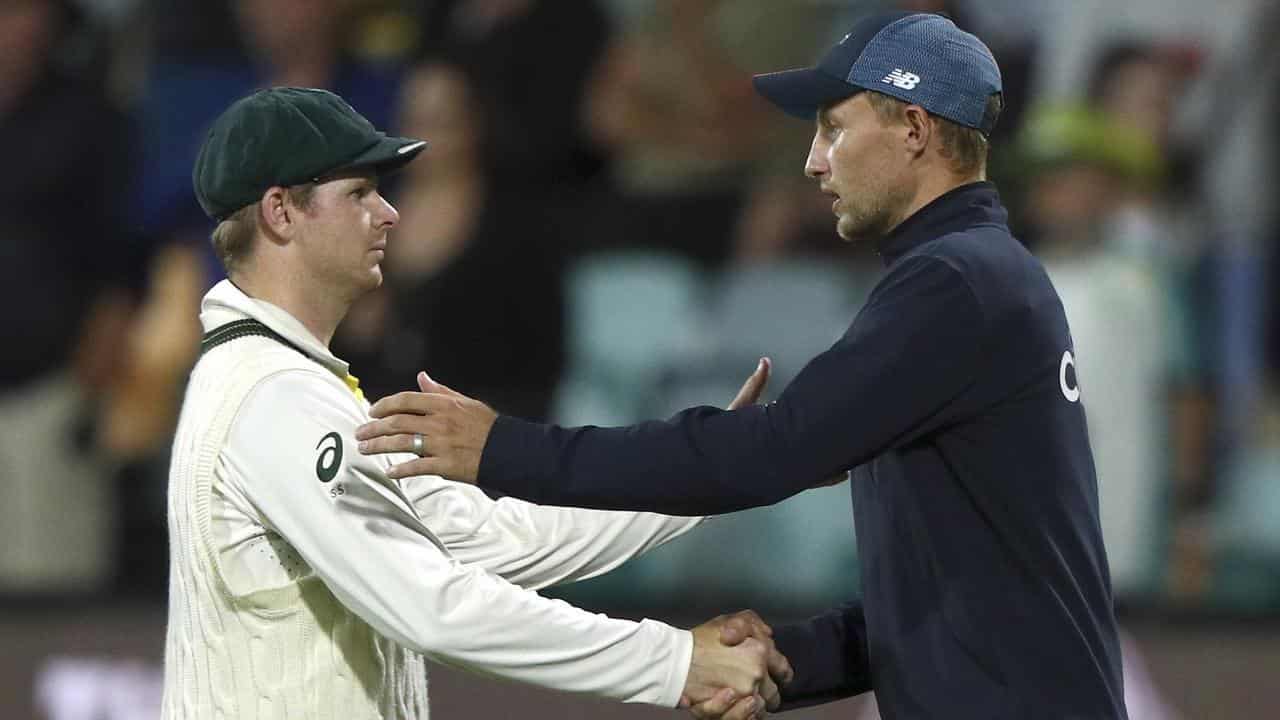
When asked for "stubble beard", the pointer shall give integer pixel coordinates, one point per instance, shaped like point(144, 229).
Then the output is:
point(865, 224)
point(874, 219)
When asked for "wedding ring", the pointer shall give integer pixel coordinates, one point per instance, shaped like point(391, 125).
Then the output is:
point(419, 445)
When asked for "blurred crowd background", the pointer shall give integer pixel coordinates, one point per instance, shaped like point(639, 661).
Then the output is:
point(609, 226)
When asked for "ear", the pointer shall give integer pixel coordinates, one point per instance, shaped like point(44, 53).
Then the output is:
point(278, 214)
point(919, 128)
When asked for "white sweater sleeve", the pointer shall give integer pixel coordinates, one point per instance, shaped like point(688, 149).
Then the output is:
point(535, 546)
point(292, 452)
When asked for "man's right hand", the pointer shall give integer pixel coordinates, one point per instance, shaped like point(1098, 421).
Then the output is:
point(719, 685)
point(718, 668)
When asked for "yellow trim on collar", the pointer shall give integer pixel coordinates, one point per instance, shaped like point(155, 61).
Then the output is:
point(353, 383)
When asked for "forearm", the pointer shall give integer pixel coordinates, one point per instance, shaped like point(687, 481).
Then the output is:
point(589, 543)
point(482, 624)
point(702, 462)
point(829, 655)
point(536, 546)
point(848, 405)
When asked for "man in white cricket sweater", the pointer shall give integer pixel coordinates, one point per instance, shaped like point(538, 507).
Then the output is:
point(305, 583)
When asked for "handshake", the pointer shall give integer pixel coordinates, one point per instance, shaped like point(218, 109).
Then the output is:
point(736, 670)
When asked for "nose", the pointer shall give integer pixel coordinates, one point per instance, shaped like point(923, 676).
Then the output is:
point(815, 166)
point(386, 213)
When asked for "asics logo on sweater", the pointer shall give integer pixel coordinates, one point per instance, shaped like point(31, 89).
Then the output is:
point(330, 457)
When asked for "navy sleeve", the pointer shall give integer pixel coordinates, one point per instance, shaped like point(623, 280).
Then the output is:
point(829, 656)
point(892, 378)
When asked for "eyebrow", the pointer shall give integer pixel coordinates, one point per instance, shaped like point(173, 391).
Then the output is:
point(364, 182)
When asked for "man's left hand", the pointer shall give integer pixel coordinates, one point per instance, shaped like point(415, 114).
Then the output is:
point(454, 429)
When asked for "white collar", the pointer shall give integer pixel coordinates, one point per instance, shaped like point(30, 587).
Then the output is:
point(226, 303)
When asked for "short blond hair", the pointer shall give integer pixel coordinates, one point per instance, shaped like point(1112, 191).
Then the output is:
point(965, 147)
point(233, 237)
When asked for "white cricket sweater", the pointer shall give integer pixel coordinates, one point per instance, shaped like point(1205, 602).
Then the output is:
point(304, 583)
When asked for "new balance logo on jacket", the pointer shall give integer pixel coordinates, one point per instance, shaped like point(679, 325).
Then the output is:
point(901, 78)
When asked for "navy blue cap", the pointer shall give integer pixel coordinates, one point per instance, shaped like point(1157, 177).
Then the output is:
point(919, 58)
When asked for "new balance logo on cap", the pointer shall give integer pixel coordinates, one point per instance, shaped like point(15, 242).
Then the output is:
point(901, 78)
point(940, 67)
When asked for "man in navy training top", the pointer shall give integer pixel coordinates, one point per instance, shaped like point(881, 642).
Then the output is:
point(952, 397)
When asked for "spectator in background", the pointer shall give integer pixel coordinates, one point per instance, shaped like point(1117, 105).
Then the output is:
point(275, 42)
point(66, 281)
point(476, 269)
point(672, 102)
point(1139, 84)
point(1083, 166)
point(1231, 112)
point(530, 60)
point(1228, 117)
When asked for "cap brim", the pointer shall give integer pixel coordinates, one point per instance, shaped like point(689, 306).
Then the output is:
point(801, 92)
point(387, 155)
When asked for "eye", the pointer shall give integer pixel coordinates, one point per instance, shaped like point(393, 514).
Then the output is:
point(828, 128)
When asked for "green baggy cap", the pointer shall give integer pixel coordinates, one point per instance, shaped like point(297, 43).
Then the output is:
point(288, 136)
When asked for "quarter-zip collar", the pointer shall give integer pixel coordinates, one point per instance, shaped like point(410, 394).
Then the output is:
point(962, 207)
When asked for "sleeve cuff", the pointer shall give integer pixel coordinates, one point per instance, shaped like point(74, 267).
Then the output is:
point(513, 458)
point(680, 643)
point(822, 670)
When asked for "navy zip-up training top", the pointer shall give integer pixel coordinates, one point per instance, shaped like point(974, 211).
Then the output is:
point(953, 398)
